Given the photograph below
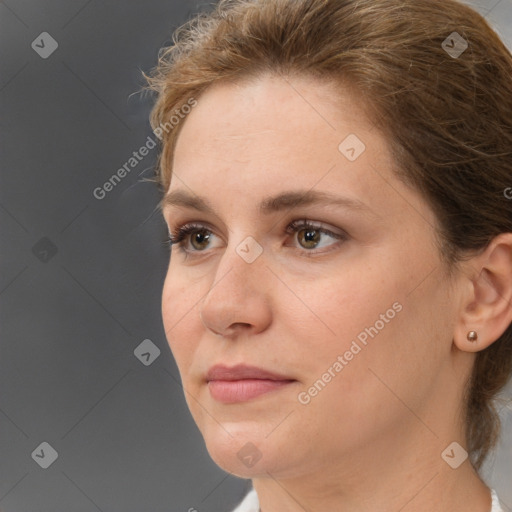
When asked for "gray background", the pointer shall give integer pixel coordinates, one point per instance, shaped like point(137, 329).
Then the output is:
point(81, 277)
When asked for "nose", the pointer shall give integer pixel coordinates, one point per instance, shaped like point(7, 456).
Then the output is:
point(238, 301)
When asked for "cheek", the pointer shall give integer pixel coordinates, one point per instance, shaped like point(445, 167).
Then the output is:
point(169, 302)
point(180, 317)
point(367, 316)
point(334, 308)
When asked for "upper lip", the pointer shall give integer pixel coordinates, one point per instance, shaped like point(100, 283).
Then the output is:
point(240, 372)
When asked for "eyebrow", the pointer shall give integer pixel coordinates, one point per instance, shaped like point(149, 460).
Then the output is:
point(283, 201)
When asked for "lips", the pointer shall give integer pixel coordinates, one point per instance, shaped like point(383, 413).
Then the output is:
point(240, 372)
point(241, 383)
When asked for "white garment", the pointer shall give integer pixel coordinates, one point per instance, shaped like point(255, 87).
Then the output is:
point(251, 504)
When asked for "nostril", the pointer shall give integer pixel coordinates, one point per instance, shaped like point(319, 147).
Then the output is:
point(209, 328)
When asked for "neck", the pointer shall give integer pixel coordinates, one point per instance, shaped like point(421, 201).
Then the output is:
point(407, 475)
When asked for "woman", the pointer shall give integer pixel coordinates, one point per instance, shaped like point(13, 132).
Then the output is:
point(338, 298)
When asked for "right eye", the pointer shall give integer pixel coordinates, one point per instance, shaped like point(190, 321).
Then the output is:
point(196, 236)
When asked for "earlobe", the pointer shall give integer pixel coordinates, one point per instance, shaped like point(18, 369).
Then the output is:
point(472, 336)
point(486, 308)
point(471, 340)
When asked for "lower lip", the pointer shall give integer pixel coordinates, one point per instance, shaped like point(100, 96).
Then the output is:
point(233, 391)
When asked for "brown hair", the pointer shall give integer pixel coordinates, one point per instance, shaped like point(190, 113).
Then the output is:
point(447, 118)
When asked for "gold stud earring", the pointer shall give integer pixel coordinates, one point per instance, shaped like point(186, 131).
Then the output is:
point(472, 336)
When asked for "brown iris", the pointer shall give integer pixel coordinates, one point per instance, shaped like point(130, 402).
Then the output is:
point(201, 238)
point(311, 237)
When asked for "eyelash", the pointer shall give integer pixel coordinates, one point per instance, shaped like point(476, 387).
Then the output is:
point(178, 235)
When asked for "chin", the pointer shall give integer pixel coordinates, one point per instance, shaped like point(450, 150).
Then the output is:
point(243, 452)
point(244, 460)
point(248, 453)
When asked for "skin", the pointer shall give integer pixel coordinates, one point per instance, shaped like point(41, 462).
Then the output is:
point(372, 438)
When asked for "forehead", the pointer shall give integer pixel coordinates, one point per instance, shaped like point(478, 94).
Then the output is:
point(241, 112)
point(268, 121)
point(245, 141)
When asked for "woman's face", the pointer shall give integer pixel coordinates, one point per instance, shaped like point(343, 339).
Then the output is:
point(353, 313)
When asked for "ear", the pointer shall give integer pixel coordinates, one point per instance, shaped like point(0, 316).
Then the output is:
point(486, 306)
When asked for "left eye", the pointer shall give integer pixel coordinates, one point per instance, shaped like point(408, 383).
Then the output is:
point(309, 235)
